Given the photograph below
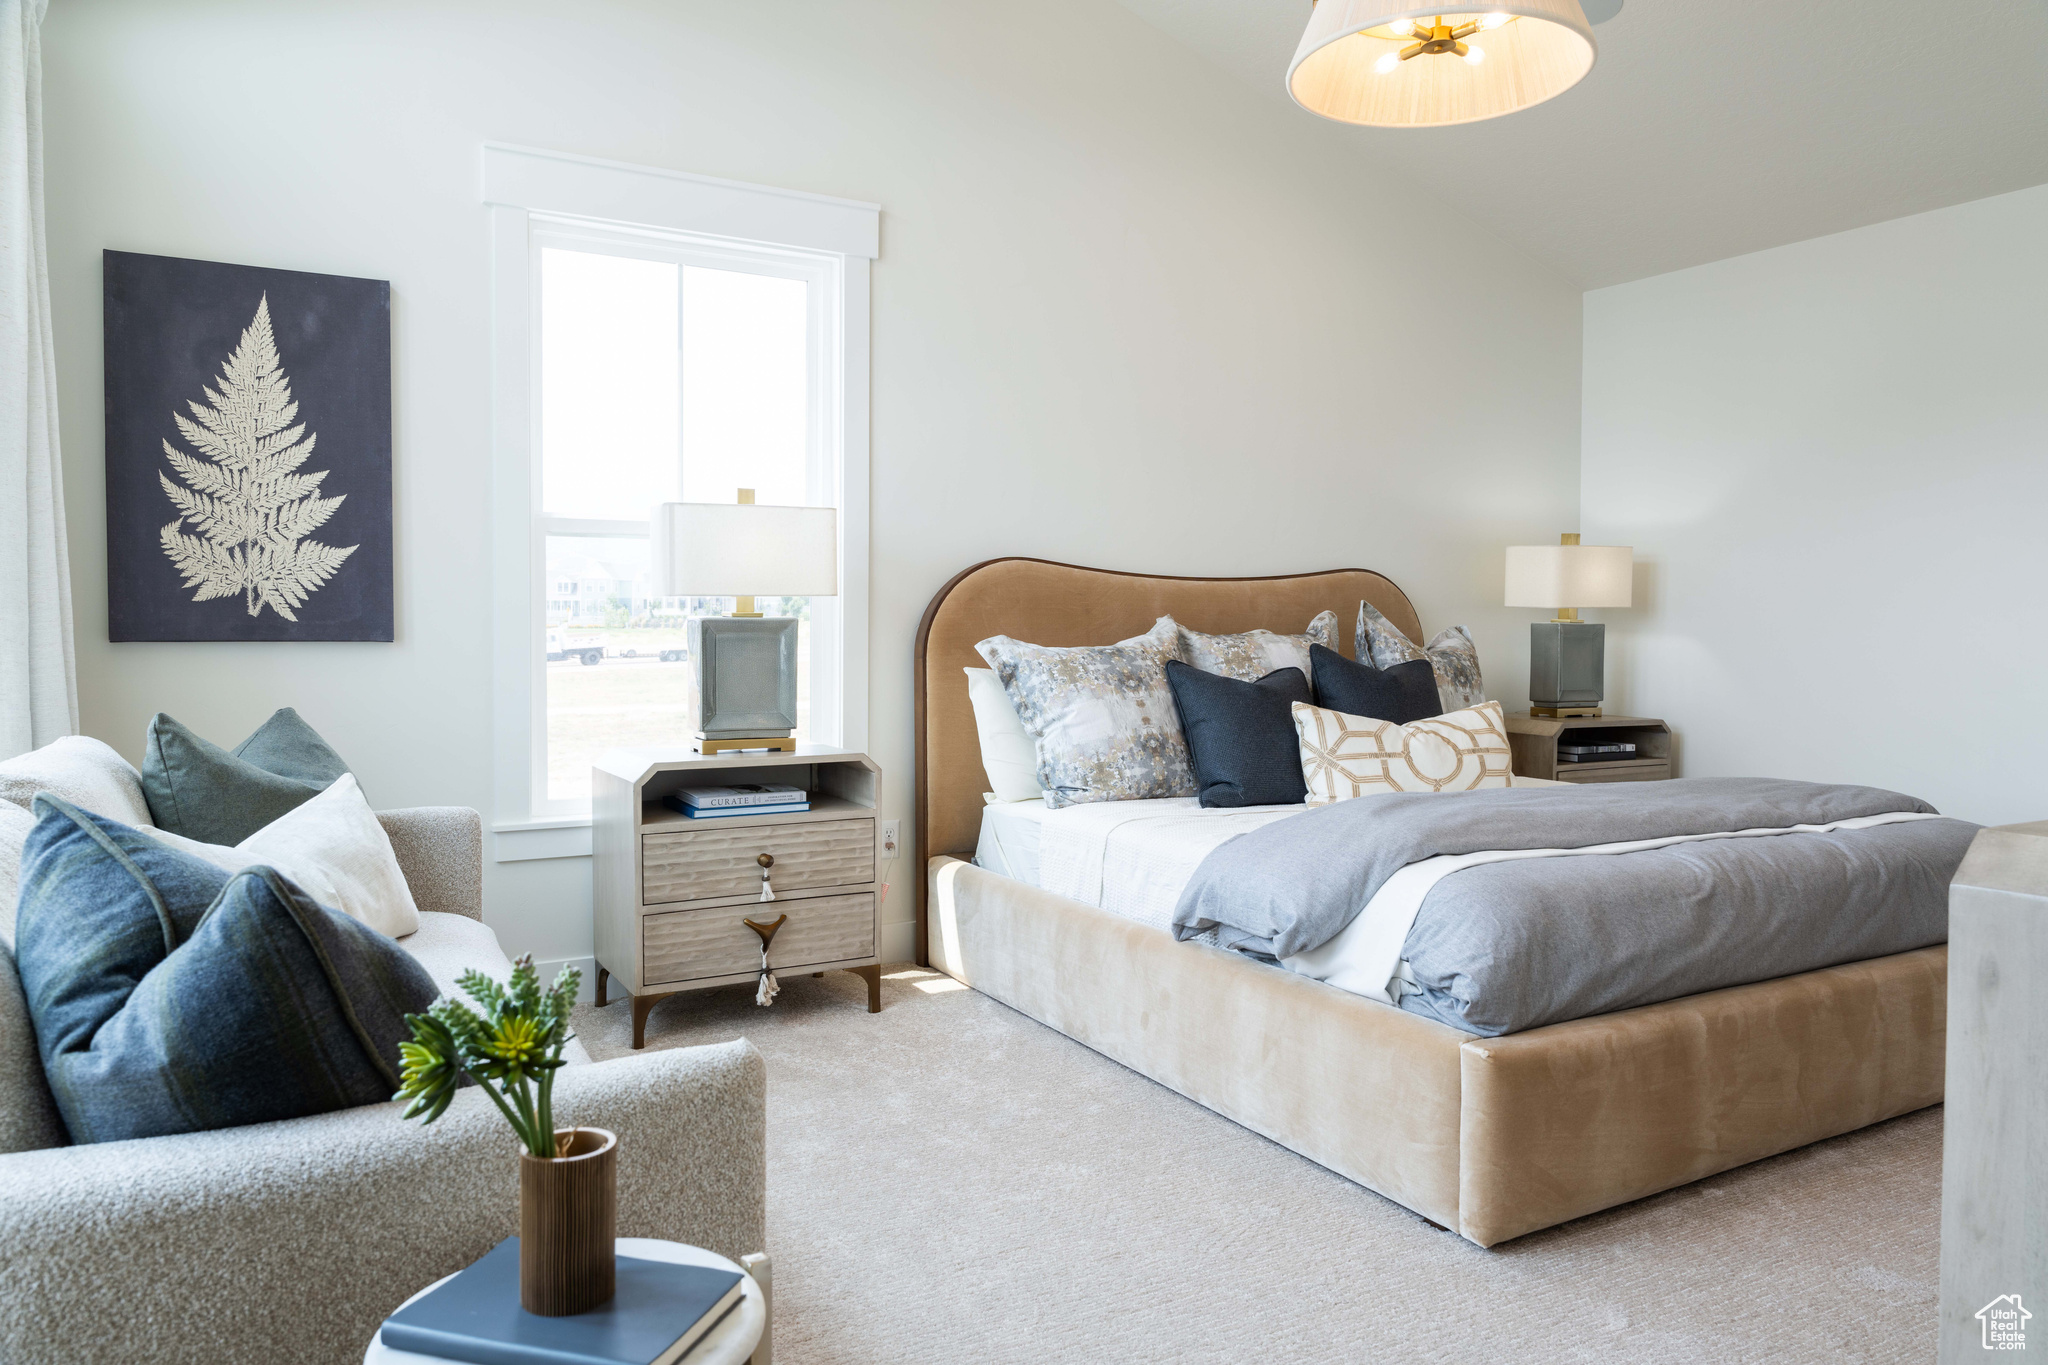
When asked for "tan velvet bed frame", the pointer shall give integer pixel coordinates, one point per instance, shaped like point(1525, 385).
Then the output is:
point(1492, 1137)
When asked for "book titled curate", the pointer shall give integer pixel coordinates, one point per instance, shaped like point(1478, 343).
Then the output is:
point(740, 794)
point(660, 1311)
point(746, 810)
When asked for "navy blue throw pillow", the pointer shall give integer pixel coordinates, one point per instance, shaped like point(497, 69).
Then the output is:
point(1400, 693)
point(1241, 735)
point(169, 996)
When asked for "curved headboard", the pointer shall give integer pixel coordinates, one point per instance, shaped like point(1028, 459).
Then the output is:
point(1065, 604)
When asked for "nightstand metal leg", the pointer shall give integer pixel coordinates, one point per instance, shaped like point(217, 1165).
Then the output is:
point(873, 976)
point(601, 975)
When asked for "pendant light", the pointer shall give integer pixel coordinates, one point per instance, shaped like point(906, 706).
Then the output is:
point(1365, 61)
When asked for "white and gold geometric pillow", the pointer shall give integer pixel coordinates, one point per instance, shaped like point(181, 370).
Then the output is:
point(1345, 756)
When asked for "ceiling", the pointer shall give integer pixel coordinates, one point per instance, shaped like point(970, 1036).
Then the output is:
point(1711, 128)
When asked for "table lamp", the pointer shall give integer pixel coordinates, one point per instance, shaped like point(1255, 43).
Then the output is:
point(1567, 656)
point(744, 665)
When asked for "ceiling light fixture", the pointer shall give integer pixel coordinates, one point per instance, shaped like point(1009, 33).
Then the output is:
point(1362, 61)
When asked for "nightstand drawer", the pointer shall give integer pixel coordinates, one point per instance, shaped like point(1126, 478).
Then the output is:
point(722, 860)
point(685, 945)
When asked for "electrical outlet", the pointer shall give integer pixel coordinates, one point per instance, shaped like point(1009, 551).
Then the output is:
point(889, 849)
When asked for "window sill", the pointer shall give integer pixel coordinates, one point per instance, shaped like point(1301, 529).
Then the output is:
point(525, 841)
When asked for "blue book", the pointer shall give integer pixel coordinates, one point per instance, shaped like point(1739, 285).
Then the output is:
point(722, 812)
point(660, 1311)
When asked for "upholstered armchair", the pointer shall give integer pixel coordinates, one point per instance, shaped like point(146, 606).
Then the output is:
point(292, 1241)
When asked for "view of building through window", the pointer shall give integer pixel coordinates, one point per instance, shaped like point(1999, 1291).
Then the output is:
point(659, 381)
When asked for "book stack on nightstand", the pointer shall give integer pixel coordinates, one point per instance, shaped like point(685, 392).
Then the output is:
point(684, 844)
point(1590, 748)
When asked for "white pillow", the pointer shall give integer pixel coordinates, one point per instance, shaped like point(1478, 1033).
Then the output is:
point(15, 823)
point(84, 772)
point(1345, 756)
point(1007, 754)
point(334, 850)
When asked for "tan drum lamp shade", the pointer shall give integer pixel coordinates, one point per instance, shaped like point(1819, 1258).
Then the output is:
point(1374, 62)
point(744, 665)
point(1567, 656)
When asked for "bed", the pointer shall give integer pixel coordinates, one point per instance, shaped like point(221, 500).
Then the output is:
point(1490, 1136)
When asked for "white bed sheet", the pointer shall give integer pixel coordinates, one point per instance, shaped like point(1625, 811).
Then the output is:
point(1133, 858)
point(1009, 838)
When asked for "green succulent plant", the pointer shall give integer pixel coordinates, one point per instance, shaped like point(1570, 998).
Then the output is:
point(511, 1049)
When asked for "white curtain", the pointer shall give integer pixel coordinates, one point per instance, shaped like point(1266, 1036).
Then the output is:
point(38, 674)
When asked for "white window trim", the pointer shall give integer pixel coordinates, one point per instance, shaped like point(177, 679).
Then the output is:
point(531, 193)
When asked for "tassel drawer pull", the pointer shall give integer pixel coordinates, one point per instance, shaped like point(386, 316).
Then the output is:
point(767, 862)
point(769, 987)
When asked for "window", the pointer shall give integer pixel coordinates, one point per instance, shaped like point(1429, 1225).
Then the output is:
point(640, 366)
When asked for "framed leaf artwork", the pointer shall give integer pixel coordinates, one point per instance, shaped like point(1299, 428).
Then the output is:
point(248, 452)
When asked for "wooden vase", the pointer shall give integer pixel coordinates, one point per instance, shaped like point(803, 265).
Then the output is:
point(568, 1214)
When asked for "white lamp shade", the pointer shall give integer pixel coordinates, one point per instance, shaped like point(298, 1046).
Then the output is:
point(726, 549)
point(1555, 576)
point(1338, 70)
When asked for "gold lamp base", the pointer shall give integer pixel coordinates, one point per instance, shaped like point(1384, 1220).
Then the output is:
point(1564, 712)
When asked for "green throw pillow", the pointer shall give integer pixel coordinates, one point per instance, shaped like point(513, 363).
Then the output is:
point(204, 792)
point(169, 996)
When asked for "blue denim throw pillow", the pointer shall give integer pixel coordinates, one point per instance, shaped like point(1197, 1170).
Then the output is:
point(169, 996)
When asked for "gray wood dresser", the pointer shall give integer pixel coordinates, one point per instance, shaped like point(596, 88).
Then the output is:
point(674, 896)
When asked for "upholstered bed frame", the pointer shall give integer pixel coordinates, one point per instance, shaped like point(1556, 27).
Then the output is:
point(1491, 1137)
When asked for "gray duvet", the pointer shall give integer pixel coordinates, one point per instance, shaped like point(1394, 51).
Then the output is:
point(1509, 946)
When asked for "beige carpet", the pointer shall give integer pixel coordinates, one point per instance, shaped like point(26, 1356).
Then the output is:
point(950, 1181)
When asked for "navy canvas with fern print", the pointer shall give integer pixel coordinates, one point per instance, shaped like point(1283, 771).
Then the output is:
point(248, 452)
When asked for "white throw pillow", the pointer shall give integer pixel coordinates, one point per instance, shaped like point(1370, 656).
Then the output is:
point(15, 823)
point(333, 849)
point(84, 772)
point(1007, 754)
point(1345, 756)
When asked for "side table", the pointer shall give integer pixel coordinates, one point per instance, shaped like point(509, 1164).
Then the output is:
point(742, 1338)
point(1534, 741)
point(676, 902)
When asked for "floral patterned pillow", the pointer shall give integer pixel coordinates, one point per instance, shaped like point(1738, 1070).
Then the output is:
point(1102, 716)
point(1451, 654)
point(1252, 655)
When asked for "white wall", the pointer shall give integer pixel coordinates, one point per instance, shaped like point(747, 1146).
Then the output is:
point(1832, 459)
point(1126, 314)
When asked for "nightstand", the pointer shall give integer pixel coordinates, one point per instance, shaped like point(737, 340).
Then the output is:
point(1534, 741)
point(674, 896)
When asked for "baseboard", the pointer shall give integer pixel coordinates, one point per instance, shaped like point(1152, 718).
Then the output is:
point(899, 942)
point(586, 990)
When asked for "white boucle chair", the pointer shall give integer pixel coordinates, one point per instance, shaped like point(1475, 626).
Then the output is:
point(292, 1241)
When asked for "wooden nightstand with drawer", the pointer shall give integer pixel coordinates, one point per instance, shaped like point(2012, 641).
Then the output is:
point(674, 896)
point(1534, 741)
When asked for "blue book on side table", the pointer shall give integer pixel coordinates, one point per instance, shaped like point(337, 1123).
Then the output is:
point(661, 1310)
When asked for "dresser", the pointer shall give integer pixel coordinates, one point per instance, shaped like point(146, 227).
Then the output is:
point(678, 904)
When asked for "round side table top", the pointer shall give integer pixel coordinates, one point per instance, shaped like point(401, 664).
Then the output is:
point(729, 1343)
